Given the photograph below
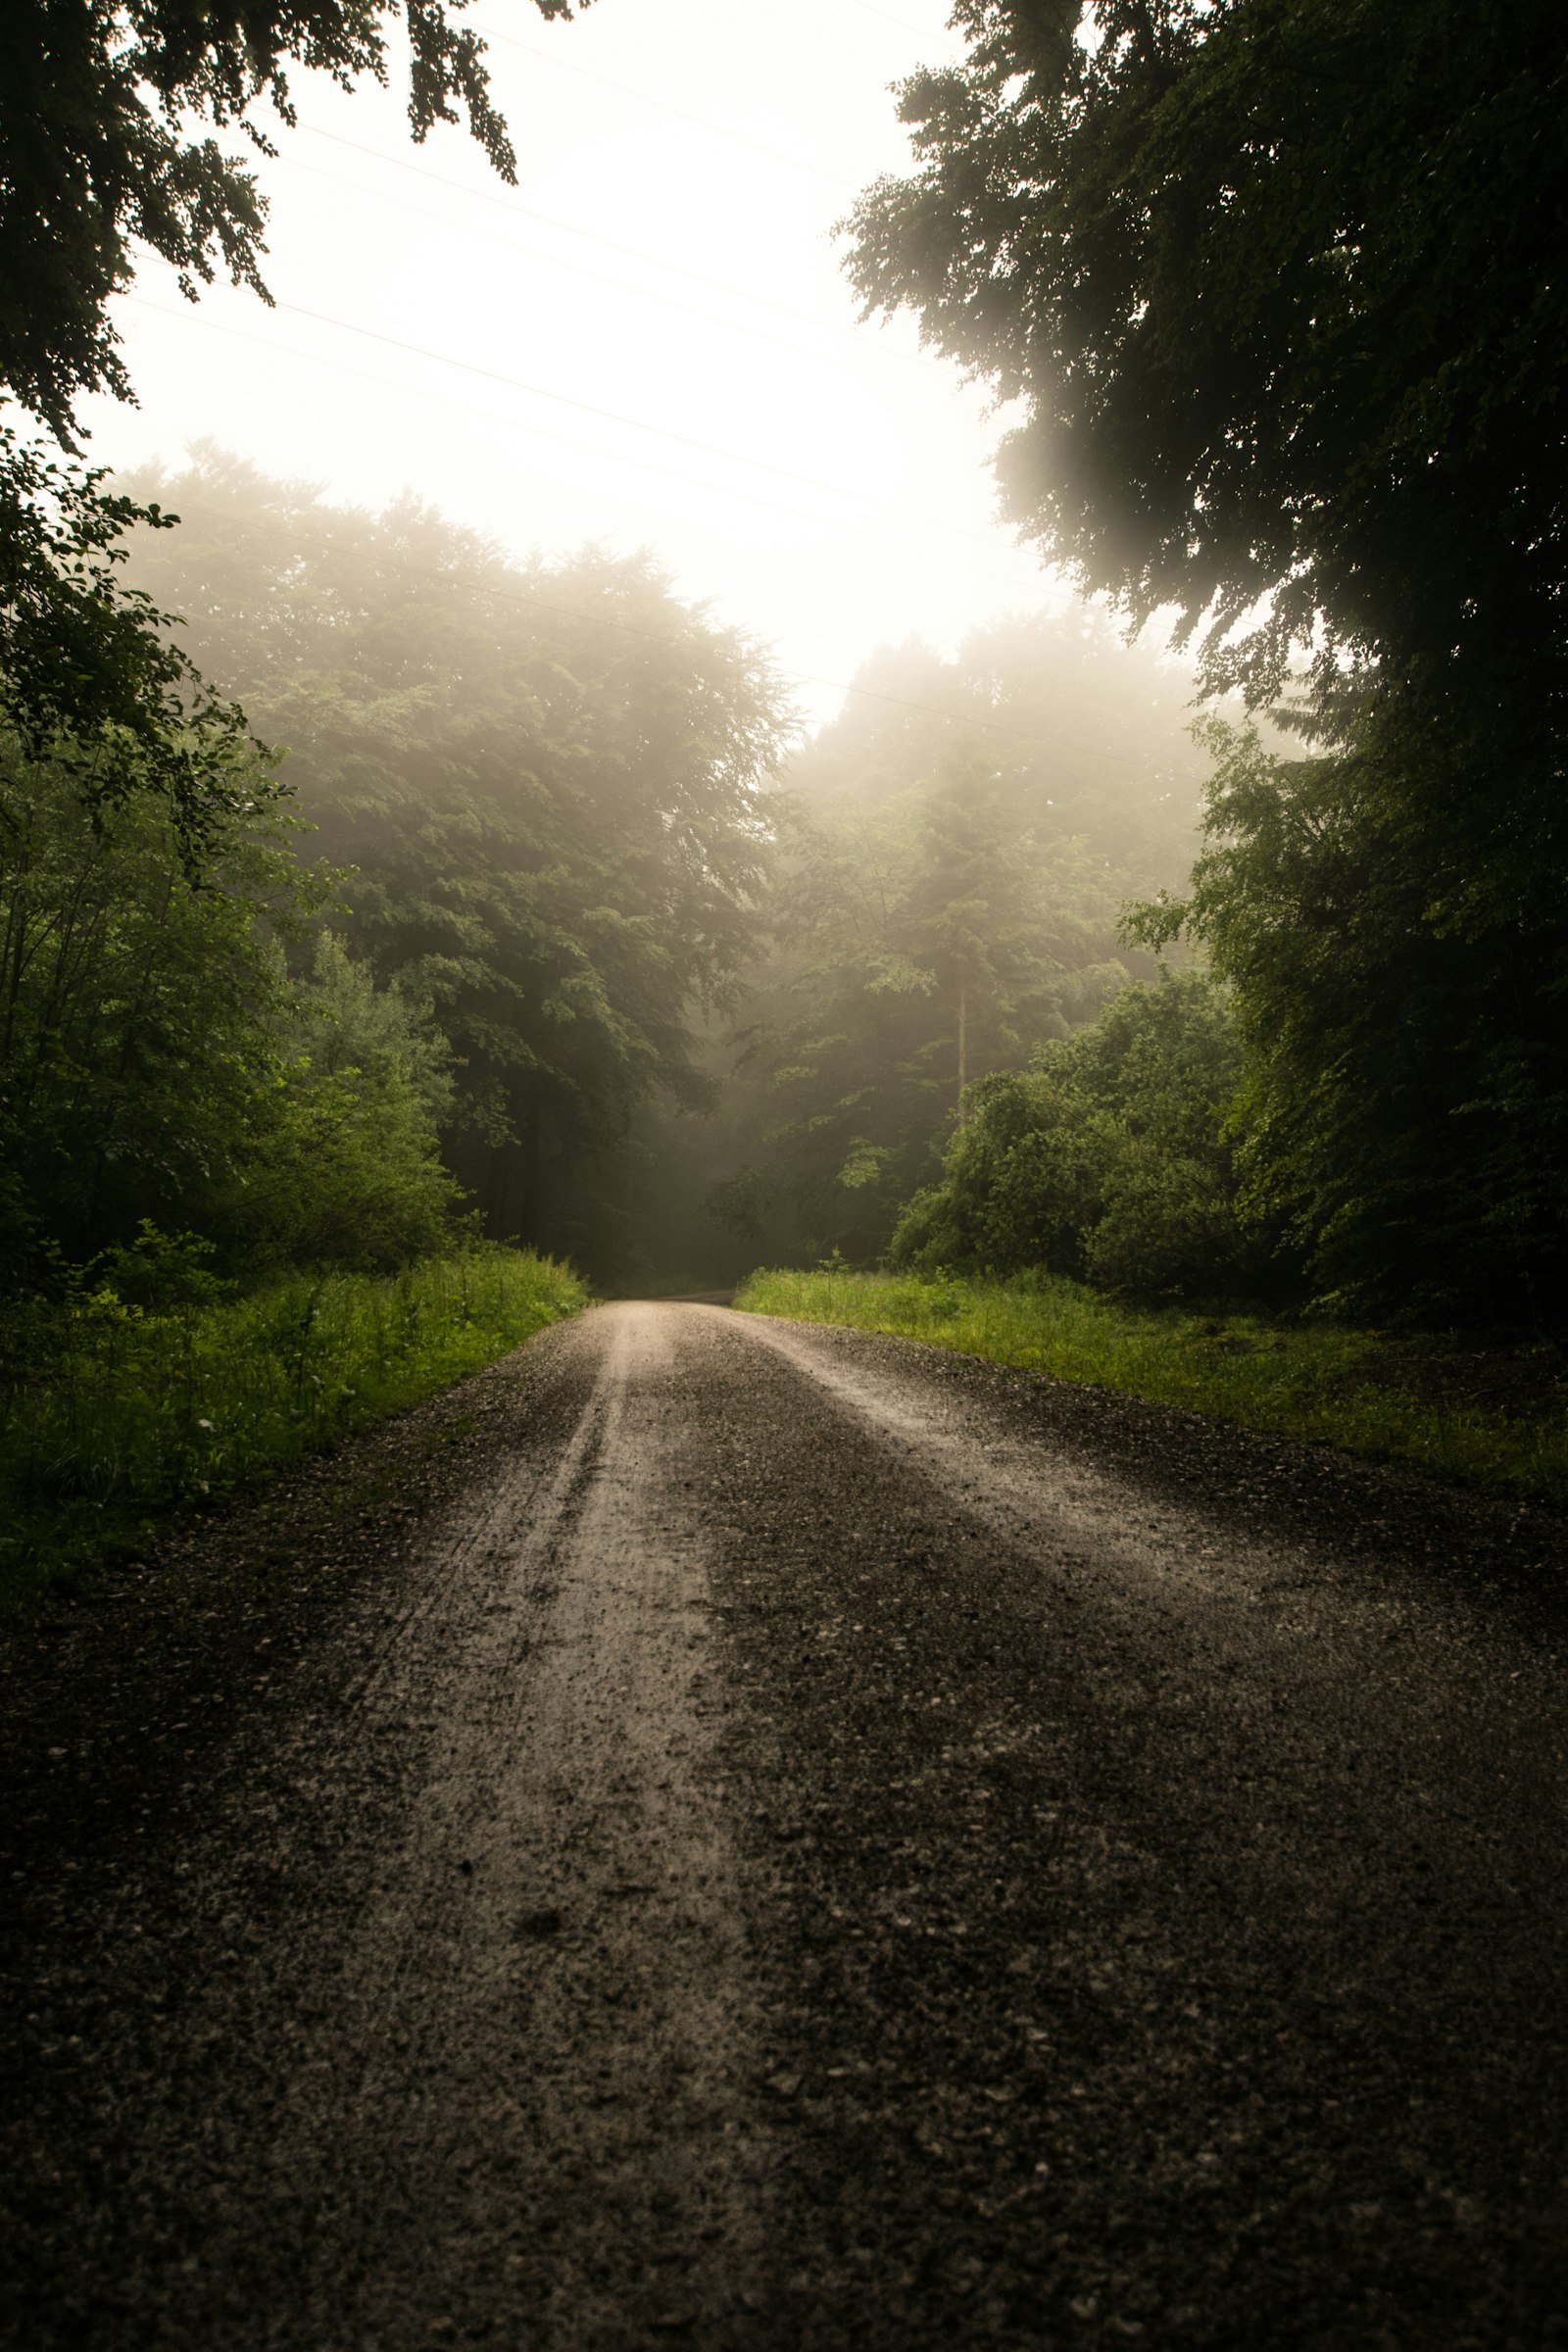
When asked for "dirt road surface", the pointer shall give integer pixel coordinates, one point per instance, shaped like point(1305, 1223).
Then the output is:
point(728, 1834)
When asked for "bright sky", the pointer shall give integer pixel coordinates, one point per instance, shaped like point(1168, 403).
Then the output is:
point(648, 342)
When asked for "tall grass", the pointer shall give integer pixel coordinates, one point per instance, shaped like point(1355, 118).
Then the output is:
point(111, 1415)
point(1410, 1403)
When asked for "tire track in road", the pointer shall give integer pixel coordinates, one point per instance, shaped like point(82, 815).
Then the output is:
point(552, 2104)
point(1197, 1874)
point(462, 2047)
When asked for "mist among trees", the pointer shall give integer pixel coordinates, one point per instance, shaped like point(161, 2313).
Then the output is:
point(363, 877)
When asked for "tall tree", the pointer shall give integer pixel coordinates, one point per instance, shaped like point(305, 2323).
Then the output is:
point(1267, 276)
point(157, 1061)
point(552, 779)
point(106, 106)
point(91, 678)
point(1268, 282)
point(968, 831)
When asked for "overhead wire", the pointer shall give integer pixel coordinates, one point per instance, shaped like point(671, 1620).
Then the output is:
point(712, 286)
point(725, 491)
point(707, 449)
point(622, 285)
point(666, 106)
point(590, 408)
point(595, 409)
point(794, 677)
point(463, 408)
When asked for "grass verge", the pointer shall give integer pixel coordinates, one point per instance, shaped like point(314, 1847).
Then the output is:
point(112, 1417)
point(1494, 1418)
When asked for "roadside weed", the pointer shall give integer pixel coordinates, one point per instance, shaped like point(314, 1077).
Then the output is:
point(1497, 1419)
point(113, 1413)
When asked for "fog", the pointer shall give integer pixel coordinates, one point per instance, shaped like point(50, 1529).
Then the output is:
point(649, 342)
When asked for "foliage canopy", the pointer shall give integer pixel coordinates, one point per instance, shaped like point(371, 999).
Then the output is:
point(103, 108)
point(1266, 276)
point(91, 675)
point(159, 1063)
point(948, 898)
point(1108, 1159)
point(1270, 282)
point(552, 780)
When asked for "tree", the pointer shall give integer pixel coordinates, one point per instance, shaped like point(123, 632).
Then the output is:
point(1403, 1113)
point(90, 678)
point(1267, 278)
point(101, 107)
point(976, 919)
point(101, 103)
point(158, 1062)
point(551, 777)
point(1108, 1159)
point(949, 899)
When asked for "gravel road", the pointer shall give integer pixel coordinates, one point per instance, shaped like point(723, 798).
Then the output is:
point(731, 1834)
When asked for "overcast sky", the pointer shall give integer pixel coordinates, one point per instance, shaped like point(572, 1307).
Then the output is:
point(648, 342)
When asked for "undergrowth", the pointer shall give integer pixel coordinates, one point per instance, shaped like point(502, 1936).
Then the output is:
point(113, 1414)
point(1497, 1418)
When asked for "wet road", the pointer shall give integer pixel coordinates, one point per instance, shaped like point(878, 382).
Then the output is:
point(800, 1842)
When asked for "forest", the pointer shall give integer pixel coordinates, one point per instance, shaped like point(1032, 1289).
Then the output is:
point(380, 901)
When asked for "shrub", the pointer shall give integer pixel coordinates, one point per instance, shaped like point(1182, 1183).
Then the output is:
point(1108, 1161)
point(344, 1170)
point(160, 1066)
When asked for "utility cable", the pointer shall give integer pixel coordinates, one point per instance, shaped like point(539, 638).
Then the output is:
point(713, 285)
point(601, 278)
point(799, 677)
point(666, 106)
point(463, 408)
point(514, 384)
point(204, 319)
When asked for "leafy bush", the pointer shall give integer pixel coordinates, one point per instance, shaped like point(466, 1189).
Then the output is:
point(1108, 1161)
point(346, 1172)
point(1400, 1007)
point(160, 1067)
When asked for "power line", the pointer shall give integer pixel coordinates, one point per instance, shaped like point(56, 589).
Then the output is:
point(800, 677)
point(554, 261)
point(463, 408)
point(590, 408)
point(268, 343)
point(713, 285)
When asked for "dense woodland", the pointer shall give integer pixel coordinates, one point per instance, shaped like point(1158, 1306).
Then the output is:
point(366, 884)
point(1268, 282)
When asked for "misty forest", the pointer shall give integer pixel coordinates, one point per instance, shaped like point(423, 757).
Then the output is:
point(413, 931)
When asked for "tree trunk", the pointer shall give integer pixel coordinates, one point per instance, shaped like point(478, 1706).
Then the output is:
point(964, 1037)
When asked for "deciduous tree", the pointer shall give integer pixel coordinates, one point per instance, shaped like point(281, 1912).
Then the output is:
point(1269, 283)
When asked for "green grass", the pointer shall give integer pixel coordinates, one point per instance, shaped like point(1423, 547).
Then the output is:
point(112, 1418)
point(1493, 1418)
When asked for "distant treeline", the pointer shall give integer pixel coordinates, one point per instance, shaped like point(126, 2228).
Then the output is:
point(527, 922)
point(952, 867)
point(678, 999)
point(428, 949)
